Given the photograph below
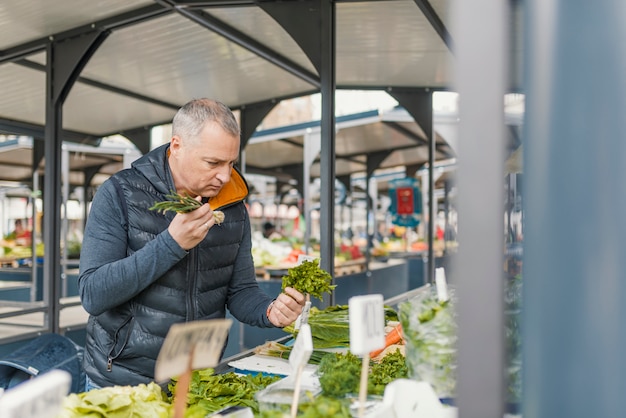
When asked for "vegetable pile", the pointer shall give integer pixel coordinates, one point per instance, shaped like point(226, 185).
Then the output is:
point(209, 392)
point(142, 401)
point(183, 204)
point(309, 278)
point(340, 373)
point(330, 327)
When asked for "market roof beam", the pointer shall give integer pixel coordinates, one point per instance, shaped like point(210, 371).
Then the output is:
point(10, 126)
point(209, 22)
point(115, 22)
point(436, 22)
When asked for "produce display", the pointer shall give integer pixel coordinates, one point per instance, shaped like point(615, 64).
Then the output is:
point(430, 335)
point(183, 204)
point(423, 324)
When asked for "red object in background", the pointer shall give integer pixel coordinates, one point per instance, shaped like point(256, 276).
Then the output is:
point(439, 233)
point(354, 251)
point(405, 200)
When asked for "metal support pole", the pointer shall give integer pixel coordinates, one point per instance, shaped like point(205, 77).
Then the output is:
point(574, 174)
point(327, 157)
point(482, 41)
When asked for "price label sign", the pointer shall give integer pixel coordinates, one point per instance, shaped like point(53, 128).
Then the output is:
point(40, 397)
point(304, 257)
point(367, 323)
point(302, 348)
point(442, 284)
point(204, 340)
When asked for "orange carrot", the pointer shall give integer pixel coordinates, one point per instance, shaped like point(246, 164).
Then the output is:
point(393, 337)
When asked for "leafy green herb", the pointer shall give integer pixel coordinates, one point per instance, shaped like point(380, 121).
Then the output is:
point(309, 278)
point(339, 375)
point(330, 327)
point(209, 392)
point(391, 367)
point(176, 203)
point(183, 204)
point(276, 349)
point(325, 407)
point(320, 407)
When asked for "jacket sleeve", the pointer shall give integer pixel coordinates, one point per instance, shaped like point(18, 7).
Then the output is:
point(246, 300)
point(107, 276)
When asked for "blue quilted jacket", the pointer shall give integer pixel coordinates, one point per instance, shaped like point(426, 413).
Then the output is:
point(136, 281)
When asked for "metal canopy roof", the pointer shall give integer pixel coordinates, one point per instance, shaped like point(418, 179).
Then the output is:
point(153, 56)
point(393, 138)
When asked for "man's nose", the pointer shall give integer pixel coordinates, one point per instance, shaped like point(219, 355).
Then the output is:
point(224, 174)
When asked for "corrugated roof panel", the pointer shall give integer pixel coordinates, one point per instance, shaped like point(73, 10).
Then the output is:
point(255, 23)
point(23, 93)
point(389, 43)
point(272, 154)
point(174, 60)
point(23, 21)
point(99, 112)
point(368, 138)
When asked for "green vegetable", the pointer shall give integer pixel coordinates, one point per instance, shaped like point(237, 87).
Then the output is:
point(340, 374)
point(325, 407)
point(176, 203)
point(330, 327)
point(276, 349)
point(141, 401)
point(309, 278)
point(391, 367)
point(209, 392)
point(183, 204)
point(430, 334)
point(321, 407)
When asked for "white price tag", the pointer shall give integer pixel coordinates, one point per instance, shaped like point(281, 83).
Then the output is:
point(304, 257)
point(40, 397)
point(303, 318)
point(205, 339)
point(302, 348)
point(413, 399)
point(442, 284)
point(367, 323)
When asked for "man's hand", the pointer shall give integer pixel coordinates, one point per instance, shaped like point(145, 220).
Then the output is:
point(188, 229)
point(286, 307)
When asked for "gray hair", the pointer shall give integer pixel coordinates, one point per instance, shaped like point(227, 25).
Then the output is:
point(190, 119)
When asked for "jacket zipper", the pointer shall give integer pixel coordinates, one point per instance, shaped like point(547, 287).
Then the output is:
point(191, 283)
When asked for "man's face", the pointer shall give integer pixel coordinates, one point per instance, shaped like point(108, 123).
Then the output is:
point(202, 166)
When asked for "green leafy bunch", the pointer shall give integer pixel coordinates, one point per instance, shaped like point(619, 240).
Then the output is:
point(176, 203)
point(309, 278)
point(340, 374)
point(392, 367)
point(210, 392)
point(320, 407)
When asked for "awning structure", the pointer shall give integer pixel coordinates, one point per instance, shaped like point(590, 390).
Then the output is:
point(137, 61)
point(86, 164)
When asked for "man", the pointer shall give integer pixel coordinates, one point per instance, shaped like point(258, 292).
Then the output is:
point(143, 270)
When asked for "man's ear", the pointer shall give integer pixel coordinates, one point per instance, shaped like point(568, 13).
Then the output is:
point(175, 143)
